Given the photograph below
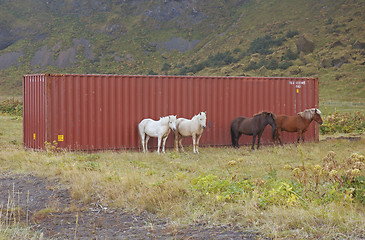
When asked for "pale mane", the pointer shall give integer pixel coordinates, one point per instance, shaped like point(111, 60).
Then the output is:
point(308, 113)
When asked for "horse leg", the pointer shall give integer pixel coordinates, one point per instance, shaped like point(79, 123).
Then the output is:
point(146, 142)
point(180, 144)
point(158, 144)
point(299, 135)
point(176, 141)
point(163, 144)
point(197, 143)
point(236, 139)
point(278, 136)
point(194, 143)
point(258, 140)
point(142, 141)
point(253, 142)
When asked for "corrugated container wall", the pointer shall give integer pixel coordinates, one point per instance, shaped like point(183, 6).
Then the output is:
point(94, 112)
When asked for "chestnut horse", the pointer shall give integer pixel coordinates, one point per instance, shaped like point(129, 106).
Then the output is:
point(298, 123)
point(252, 126)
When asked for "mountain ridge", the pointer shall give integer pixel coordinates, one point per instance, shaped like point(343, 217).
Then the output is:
point(187, 37)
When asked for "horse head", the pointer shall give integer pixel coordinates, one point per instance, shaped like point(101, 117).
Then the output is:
point(312, 114)
point(202, 119)
point(270, 119)
point(172, 122)
point(317, 116)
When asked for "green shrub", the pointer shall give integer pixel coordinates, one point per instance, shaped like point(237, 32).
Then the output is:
point(12, 107)
point(197, 67)
point(285, 65)
point(290, 55)
point(291, 33)
point(252, 66)
point(151, 72)
point(271, 64)
point(268, 64)
point(166, 67)
point(263, 45)
point(343, 123)
point(183, 71)
point(334, 181)
point(342, 181)
point(220, 59)
point(217, 60)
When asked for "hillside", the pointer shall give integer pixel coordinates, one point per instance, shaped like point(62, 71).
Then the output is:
point(187, 37)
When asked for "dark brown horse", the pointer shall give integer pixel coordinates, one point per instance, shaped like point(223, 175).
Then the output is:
point(298, 123)
point(252, 126)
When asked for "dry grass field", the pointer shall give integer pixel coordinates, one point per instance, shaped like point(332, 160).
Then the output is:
point(313, 190)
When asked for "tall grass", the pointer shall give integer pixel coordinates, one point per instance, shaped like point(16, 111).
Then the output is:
point(254, 189)
point(14, 221)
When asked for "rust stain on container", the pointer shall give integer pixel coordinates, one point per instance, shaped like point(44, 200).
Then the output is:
point(96, 112)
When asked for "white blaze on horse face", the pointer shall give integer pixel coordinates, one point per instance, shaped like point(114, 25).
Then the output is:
point(203, 120)
point(172, 122)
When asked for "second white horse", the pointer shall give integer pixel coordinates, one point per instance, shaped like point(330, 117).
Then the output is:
point(190, 128)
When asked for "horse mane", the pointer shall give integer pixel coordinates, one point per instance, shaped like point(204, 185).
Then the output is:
point(265, 113)
point(165, 118)
point(195, 116)
point(308, 113)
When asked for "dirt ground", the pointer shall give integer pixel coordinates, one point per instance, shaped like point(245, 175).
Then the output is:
point(46, 206)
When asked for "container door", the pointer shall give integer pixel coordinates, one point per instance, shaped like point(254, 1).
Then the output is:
point(34, 102)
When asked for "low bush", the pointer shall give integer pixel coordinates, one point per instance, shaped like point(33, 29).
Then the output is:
point(343, 123)
point(151, 72)
point(12, 107)
point(334, 181)
point(290, 55)
point(291, 33)
point(268, 64)
point(263, 45)
point(218, 60)
point(166, 67)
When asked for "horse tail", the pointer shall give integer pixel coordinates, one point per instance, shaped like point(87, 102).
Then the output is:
point(233, 136)
point(141, 129)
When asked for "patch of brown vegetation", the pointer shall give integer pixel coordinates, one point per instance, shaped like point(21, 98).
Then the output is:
point(46, 206)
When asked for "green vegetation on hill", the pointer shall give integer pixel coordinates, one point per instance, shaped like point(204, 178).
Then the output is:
point(235, 37)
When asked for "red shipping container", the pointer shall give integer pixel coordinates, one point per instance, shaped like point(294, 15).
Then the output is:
point(97, 112)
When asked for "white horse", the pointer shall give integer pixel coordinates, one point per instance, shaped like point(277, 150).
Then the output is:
point(190, 128)
point(160, 129)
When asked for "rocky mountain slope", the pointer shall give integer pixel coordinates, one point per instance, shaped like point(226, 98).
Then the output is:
point(310, 38)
